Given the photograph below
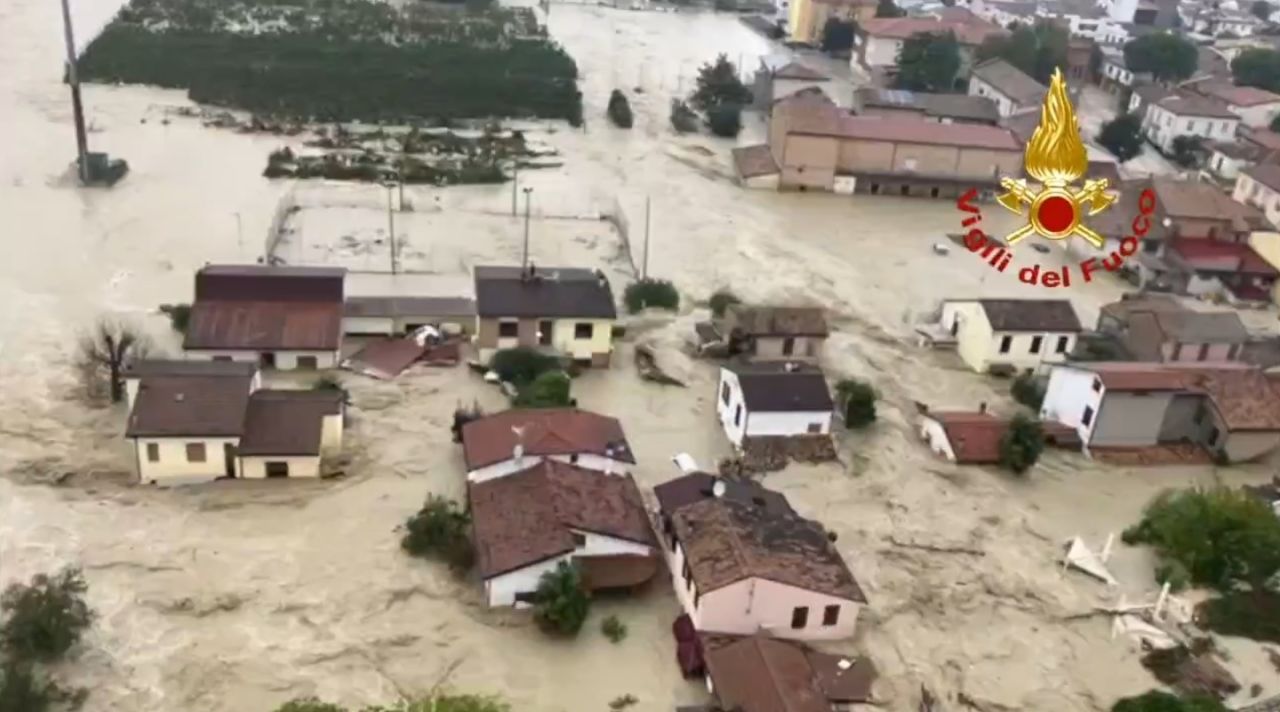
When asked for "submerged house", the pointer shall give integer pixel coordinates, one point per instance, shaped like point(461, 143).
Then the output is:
point(776, 332)
point(287, 318)
point(1011, 334)
point(964, 437)
point(511, 441)
point(391, 316)
point(568, 311)
point(761, 674)
point(1231, 410)
point(771, 398)
point(529, 522)
point(1157, 327)
point(187, 426)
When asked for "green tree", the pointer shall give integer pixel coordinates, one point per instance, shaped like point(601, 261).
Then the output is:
point(309, 704)
point(520, 365)
point(548, 390)
point(1186, 150)
point(1275, 123)
point(1257, 68)
point(683, 118)
point(650, 293)
point(837, 35)
point(725, 120)
point(560, 602)
point(1160, 701)
point(440, 530)
point(179, 316)
point(1122, 136)
point(1036, 50)
point(857, 401)
point(721, 300)
point(929, 62)
point(22, 689)
point(44, 618)
point(619, 110)
point(1021, 445)
point(718, 84)
point(887, 8)
point(1168, 57)
point(1028, 390)
point(1262, 10)
point(1222, 537)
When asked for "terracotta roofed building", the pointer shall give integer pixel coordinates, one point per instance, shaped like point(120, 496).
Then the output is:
point(497, 445)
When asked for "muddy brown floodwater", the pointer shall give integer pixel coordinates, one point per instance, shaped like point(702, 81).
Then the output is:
point(239, 597)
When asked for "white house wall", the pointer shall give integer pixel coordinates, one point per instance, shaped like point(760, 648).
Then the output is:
point(1070, 390)
point(604, 545)
point(501, 590)
point(173, 466)
point(368, 325)
point(1246, 445)
point(935, 436)
point(1019, 354)
point(881, 52)
point(786, 423)
point(726, 411)
point(255, 466)
point(978, 87)
point(588, 461)
point(285, 360)
point(1258, 116)
point(972, 332)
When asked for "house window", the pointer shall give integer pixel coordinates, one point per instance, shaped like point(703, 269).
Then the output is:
point(526, 597)
point(906, 189)
point(579, 539)
point(799, 617)
point(737, 416)
point(1087, 418)
point(1097, 384)
point(1005, 343)
point(508, 329)
point(277, 469)
point(195, 452)
point(1177, 351)
point(1213, 436)
point(307, 363)
point(1204, 353)
point(1191, 126)
point(688, 574)
point(933, 192)
point(221, 358)
point(831, 615)
point(788, 346)
point(1063, 342)
point(815, 427)
point(1035, 344)
point(153, 452)
point(584, 330)
point(875, 189)
point(724, 394)
point(1233, 351)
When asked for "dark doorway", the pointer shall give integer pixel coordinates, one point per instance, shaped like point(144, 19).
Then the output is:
point(307, 363)
point(268, 360)
point(229, 454)
point(277, 469)
point(544, 332)
point(788, 346)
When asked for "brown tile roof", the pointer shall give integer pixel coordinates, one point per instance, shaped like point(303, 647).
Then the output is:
point(1128, 376)
point(796, 70)
point(1262, 137)
point(547, 292)
point(280, 422)
point(186, 406)
point(968, 31)
point(782, 387)
point(1190, 105)
point(170, 367)
point(529, 516)
point(1031, 315)
point(697, 486)
point(251, 283)
point(252, 325)
point(759, 674)
point(753, 161)
point(546, 431)
point(818, 116)
point(1202, 201)
point(841, 679)
point(726, 541)
point(1240, 96)
point(974, 437)
point(1010, 81)
point(777, 320)
point(1267, 174)
point(1023, 125)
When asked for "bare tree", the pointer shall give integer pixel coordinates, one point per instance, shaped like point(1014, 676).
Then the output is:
point(107, 350)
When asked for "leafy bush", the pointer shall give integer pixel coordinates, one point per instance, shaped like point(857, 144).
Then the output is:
point(857, 402)
point(1166, 55)
point(1275, 124)
point(1122, 136)
point(309, 704)
point(561, 603)
point(179, 316)
point(1028, 390)
point(1186, 151)
point(22, 689)
point(613, 629)
point(521, 365)
point(1174, 574)
point(837, 35)
point(1021, 444)
point(683, 118)
point(718, 85)
point(725, 120)
point(1257, 67)
point(619, 110)
point(1246, 614)
point(887, 8)
point(440, 530)
point(651, 294)
point(1160, 701)
point(929, 61)
point(622, 702)
point(1220, 537)
point(721, 300)
point(549, 390)
point(44, 618)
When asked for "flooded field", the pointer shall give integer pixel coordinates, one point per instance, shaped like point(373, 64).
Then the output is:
point(239, 597)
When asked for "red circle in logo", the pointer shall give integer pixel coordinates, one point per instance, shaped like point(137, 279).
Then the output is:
point(1056, 213)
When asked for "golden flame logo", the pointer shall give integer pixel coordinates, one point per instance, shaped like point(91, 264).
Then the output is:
point(1056, 158)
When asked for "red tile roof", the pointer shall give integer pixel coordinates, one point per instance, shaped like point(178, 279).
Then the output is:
point(1240, 96)
point(760, 674)
point(545, 431)
point(1129, 376)
point(530, 516)
point(967, 30)
point(974, 437)
point(816, 115)
point(1220, 256)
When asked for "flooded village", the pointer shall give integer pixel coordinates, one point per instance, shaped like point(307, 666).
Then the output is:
point(388, 388)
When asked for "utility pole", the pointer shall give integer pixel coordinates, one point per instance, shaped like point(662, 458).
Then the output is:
point(391, 226)
point(644, 267)
point(515, 183)
point(524, 255)
point(77, 109)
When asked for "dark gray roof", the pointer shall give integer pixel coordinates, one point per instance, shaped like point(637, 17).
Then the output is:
point(565, 292)
point(954, 106)
point(283, 422)
point(175, 367)
point(697, 486)
point(1010, 81)
point(1031, 315)
point(409, 306)
point(783, 387)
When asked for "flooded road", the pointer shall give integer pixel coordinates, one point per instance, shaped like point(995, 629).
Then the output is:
point(240, 597)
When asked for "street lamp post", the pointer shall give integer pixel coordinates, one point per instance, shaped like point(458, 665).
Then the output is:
point(524, 255)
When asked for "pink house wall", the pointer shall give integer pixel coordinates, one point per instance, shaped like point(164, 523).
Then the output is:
point(1191, 353)
point(760, 604)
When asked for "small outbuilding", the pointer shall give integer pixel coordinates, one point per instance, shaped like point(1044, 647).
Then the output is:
point(773, 398)
point(776, 332)
point(511, 441)
point(392, 316)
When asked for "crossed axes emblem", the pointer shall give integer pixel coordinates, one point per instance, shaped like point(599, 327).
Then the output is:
point(1054, 198)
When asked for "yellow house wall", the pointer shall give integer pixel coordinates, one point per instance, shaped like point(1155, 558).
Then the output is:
point(973, 341)
point(173, 459)
point(255, 467)
point(331, 433)
point(801, 21)
point(601, 341)
point(1267, 245)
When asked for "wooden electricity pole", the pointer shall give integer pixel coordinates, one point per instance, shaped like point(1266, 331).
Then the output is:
point(77, 109)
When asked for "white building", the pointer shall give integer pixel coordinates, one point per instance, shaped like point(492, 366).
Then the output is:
point(1255, 107)
point(530, 522)
point(1011, 334)
point(1006, 85)
point(878, 41)
point(1259, 186)
point(1116, 72)
point(514, 440)
point(773, 398)
point(1188, 115)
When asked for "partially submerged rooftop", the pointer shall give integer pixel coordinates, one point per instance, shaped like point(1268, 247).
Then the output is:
point(698, 486)
point(543, 292)
point(144, 368)
point(256, 307)
point(1242, 394)
point(763, 674)
point(777, 320)
point(974, 436)
point(783, 386)
point(543, 432)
